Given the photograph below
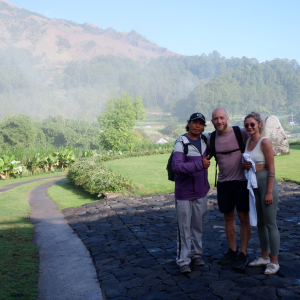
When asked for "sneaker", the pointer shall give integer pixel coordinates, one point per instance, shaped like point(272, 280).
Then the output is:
point(228, 257)
point(259, 261)
point(241, 261)
point(185, 269)
point(198, 261)
point(271, 269)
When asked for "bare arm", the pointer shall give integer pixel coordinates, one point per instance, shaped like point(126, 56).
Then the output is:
point(267, 149)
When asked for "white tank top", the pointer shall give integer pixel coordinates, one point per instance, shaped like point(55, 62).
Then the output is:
point(256, 154)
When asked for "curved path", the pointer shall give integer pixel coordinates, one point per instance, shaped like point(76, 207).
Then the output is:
point(66, 268)
point(133, 245)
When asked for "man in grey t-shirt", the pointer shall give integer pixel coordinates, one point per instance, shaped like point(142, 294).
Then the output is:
point(232, 188)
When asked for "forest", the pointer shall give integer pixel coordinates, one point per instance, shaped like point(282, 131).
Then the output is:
point(178, 85)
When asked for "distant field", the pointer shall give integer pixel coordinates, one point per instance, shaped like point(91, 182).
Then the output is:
point(150, 175)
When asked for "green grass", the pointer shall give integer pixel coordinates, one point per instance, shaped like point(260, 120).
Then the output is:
point(66, 195)
point(286, 166)
point(19, 263)
point(150, 175)
point(31, 177)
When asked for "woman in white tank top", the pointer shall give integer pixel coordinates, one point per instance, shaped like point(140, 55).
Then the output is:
point(266, 195)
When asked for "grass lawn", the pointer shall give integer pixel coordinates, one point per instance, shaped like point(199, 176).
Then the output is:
point(150, 175)
point(19, 263)
point(65, 195)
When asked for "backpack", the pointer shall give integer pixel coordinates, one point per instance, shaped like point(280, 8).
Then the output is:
point(171, 174)
point(212, 147)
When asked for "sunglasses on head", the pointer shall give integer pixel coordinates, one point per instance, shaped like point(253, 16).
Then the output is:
point(249, 125)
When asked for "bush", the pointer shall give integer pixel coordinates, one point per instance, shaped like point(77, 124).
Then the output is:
point(94, 177)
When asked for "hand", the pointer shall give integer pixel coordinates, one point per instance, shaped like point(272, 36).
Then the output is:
point(206, 162)
point(246, 165)
point(269, 198)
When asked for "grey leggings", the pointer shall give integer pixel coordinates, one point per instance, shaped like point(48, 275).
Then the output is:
point(266, 214)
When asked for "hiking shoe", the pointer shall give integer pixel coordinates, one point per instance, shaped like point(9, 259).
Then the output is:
point(228, 257)
point(241, 261)
point(198, 262)
point(259, 261)
point(185, 269)
point(271, 269)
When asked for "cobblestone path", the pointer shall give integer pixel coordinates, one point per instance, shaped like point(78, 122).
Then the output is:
point(133, 245)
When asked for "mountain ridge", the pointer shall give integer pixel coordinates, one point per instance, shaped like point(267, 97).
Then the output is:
point(58, 41)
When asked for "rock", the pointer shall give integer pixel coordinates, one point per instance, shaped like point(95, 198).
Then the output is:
point(275, 133)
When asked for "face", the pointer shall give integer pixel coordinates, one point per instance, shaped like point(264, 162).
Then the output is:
point(220, 120)
point(196, 126)
point(251, 125)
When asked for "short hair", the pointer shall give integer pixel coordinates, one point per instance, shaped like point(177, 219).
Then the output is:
point(256, 116)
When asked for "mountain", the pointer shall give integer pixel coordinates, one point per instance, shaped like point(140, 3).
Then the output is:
point(58, 41)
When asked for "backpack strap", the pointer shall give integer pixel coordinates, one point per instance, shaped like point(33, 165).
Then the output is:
point(239, 138)
point(185, 149)
point(204, 138)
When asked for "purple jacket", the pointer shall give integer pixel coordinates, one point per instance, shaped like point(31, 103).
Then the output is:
point(191, 178)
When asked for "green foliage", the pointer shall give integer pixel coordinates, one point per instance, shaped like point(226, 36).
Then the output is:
point(172, 128)
point(61, 132)
point(94, 177)
point(17, 132)
point(82, 89)
point(246, 85)
point(117, 122)
point(9, 166)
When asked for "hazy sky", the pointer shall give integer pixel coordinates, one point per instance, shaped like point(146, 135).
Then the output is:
point(264, 29)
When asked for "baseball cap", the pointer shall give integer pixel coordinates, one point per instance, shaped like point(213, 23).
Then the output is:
point(196, 116)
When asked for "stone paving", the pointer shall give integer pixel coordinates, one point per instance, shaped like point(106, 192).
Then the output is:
point(133, 245)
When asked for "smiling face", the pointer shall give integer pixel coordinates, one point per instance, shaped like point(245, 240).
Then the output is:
point(252, 126)
point(220, 120)
point(195, 127)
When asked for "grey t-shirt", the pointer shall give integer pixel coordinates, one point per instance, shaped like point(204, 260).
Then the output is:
point(230, 165)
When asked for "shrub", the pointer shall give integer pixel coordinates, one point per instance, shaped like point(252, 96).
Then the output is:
point(94, 177)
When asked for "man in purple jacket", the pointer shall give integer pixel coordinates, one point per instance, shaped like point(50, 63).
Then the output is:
point(191, 188)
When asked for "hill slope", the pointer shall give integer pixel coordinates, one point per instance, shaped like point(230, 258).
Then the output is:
point(60, 41)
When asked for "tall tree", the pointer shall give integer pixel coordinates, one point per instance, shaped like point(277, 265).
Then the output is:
point(117, 122)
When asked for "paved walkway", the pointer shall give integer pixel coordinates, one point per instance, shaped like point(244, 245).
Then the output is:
point(133, 245)
point(66, 268)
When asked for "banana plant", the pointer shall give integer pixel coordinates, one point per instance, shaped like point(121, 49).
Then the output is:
point(65, 158)
point(52, 161)
point(9, 166)
point(34, 163)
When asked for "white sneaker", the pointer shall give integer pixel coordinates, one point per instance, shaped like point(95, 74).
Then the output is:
point(259, 261)
point(272, 269)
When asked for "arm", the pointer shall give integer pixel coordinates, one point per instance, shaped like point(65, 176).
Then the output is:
point(179, 165)
point(267, 149)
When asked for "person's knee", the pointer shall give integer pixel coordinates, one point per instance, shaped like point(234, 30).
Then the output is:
point(244, 218)
point(229, 217)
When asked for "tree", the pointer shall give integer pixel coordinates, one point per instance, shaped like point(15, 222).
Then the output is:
point(117, 122)
point(17, 132)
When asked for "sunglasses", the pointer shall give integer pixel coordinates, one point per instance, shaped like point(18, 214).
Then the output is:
point(249, 125)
